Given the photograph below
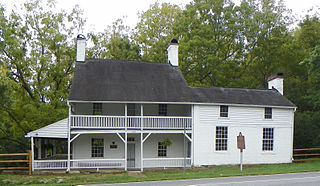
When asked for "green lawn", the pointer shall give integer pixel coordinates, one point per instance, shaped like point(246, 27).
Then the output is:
point(152, 175)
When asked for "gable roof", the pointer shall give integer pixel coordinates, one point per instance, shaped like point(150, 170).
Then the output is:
point(112, 80)
point(116, 80)
point(58, 129)
point(242, 96)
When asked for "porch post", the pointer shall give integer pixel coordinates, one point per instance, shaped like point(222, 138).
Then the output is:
point(126, 138)
point(192, 135)
point(69, 146)
point(39, 148)
point(32, 154)
point(141, 139)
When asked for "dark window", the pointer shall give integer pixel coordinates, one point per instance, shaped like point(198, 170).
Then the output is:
point(268, 113)
point(221, 138)
point(97, 147)
point(267, 142)
point(162, 109)
point(224, 111)
point(131, 109)
point(162, 150)
point(97, 108)
point(130, 139)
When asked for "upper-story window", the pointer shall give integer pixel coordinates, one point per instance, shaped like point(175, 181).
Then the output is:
point(97, 108)
point(267, 113)
point(162, 109)
point(131, 109)
point(224, 111)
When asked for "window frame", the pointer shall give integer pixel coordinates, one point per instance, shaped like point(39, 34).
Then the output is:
point(97, 108)
point(221, 138)
point(97, 150)
point(224, 111)
point(163, 109)
point(131, 109)
point(268, 139)
point(162, 150)
point(267, 113)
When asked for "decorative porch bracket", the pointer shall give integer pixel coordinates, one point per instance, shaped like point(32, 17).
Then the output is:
point(144, 139)
point(71, 140)
point(124, 141)
point(188, 137)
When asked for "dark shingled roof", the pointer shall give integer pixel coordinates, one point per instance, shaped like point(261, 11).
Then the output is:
point(242, 96)
point(115, 80)
point(111, 80)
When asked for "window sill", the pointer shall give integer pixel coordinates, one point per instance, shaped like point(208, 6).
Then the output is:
point(268, 153)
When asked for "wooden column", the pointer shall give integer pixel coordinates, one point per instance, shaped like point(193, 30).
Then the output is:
point(32, 153)
point(69, 146)
point(141, 140)
point(126, 137)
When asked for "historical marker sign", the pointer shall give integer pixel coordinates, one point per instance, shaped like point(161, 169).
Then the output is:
point(240, 142)
point(241, 145)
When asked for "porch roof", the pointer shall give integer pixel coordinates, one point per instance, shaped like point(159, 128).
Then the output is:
point(58, 129)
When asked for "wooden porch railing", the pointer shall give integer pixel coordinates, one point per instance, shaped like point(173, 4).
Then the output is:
point(307, 154)
point(26, 160)
point(133, 122)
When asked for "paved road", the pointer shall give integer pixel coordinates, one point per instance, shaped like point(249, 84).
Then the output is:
point(296, 179)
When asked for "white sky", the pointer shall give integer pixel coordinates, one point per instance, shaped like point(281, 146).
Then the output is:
point(100, 13)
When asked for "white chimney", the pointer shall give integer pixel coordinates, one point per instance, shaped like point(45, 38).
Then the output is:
point(173, 58)
point(276, 82)
point(81, 48)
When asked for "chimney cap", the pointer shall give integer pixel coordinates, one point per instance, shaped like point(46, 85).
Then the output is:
point(275, 76)
point(81, 37)
point(174, 41)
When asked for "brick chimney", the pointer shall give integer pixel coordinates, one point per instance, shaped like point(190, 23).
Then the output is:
point(81, 48)
point(276, 82)
point(173, 58)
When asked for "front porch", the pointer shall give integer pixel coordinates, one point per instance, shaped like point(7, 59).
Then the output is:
point(118, 151)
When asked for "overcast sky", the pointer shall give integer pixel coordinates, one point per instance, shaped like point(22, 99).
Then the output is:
point(100, 13)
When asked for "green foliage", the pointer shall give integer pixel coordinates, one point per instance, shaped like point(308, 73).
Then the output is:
point(37, 53)
point(155, 30)
point(114, 43)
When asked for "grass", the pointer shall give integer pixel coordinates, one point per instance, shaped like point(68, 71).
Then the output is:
point(153, 175)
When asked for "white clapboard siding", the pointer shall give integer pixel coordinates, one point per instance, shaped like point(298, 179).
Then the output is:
point(58, 129)
point(248, 120)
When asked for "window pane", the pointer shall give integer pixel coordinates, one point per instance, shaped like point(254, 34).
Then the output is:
point(224, 111)
point(268, 113)
point(97, 147)
point(162, 150)
point(97, 108)
point(162, 109)
point(267, 141)
point(221, 138)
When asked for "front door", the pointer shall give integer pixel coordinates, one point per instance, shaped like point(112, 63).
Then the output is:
point(131, 155)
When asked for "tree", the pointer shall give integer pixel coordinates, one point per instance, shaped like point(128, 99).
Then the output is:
point(37, 55)
point(114, 43)
point(155, 30)
point(209, 33)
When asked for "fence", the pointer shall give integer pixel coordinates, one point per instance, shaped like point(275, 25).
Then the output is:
point(26, 160)
point(307, 154)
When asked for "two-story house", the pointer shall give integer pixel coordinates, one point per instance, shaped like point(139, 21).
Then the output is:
point(131, 114)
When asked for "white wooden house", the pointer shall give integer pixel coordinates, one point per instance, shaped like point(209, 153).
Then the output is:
point(125, 114)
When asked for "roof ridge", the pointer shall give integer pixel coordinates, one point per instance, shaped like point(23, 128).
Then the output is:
point(250, 89)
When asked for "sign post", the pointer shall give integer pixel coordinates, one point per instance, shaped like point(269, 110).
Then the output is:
point(241, 145)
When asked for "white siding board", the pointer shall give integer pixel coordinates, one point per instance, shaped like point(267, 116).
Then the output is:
point(248, 120)
point(55, 130)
